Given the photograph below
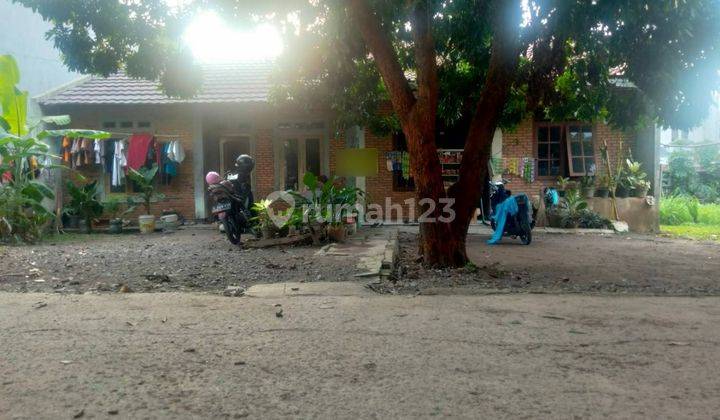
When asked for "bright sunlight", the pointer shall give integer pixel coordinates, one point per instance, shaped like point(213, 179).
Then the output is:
point(212, 40)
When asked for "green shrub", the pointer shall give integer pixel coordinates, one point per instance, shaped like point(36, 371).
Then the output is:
point(675, 210)
point(709, 214)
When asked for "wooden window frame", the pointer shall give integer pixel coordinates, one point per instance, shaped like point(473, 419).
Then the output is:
point(584, 156)
point(536, 147)
point(566, 162)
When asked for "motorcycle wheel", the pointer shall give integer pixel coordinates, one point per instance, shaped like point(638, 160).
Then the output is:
point(232, 231)
point(526, 238)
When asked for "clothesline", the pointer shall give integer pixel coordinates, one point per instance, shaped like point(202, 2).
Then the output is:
point(155, 135)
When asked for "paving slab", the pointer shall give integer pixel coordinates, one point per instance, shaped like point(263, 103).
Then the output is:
point(275, 290)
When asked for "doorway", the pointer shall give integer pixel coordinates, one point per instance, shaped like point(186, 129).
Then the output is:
point(298, 156)
point(230, 148)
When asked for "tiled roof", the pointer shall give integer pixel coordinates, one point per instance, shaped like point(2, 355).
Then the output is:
point(222, 83)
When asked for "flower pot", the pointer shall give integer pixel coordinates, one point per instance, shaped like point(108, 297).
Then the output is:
point(84, 226)
point(621, 192)
point(267, 232)
point(554, 220)
point(588, 192)
point(73, 221)
point(337, 233)
point(602, 193)
point(146, 223)
point(115, 226)
point(640, 192)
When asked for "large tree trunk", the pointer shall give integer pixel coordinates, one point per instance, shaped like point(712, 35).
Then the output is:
point(442, 241)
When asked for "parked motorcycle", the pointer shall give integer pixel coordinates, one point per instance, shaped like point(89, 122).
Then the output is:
point(233, 198)
point(521, 224)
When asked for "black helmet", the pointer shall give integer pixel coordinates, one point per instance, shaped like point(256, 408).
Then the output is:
point(245, 164)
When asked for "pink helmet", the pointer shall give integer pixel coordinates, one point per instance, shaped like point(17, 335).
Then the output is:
point(212, 178)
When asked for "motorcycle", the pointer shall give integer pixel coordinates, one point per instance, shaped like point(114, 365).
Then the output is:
point(233, 198)
point(521, 224)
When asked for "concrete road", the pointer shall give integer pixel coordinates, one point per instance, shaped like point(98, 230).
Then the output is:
point(365, 356)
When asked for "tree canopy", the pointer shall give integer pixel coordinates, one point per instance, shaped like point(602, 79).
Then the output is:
point(571, 53)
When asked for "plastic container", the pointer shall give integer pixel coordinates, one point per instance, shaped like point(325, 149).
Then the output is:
point(169, 222)
point(147, 223)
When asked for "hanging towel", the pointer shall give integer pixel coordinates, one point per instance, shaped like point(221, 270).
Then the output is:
point(507, 208)
point(108, 155)
point(98, 148)
point(138, 150)
point(119, 163)
point(176, 153)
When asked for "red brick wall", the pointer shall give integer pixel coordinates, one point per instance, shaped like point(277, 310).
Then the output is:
point(169, 120)
point(264, 163)
point(520, 143)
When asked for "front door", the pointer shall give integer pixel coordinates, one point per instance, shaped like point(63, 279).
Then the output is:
point(230, 148)
point(299, 155)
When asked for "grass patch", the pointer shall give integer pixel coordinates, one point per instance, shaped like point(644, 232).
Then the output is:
point(64, 238)
point(693, 231)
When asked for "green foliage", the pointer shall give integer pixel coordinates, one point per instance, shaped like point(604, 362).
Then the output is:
point(708, 214)
point(113, 208)
point(84, 202)
point(693, 231)
point(571, 208)
point(144, 180)
point(324, 202)
point(22, 215)
point(262, 211)
point(572, 53)
point(696, 173)
point(675, 210)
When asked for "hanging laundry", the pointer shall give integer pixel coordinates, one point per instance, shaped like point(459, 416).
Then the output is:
point(527, 170)
point(119, 164)
point(66, 149)
point(137, 152)
point(406, 165)
point(169, 166)
point(176, 153)
point(98, 148)
point(108, 155)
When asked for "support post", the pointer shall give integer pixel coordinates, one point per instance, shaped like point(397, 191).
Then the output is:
point(198, 165)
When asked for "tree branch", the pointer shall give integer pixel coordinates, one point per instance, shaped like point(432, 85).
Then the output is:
point(425, 57)
point(380, 46)
point(504, 59)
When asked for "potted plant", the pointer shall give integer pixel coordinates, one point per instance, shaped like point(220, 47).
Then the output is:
point(603, 190)
point(637, 179)
point(641, 188)
point(571, 207)
point(144, 180)
point(563, 185)
point(622, 183)
point(113, 208)
point(262, 218)
point(84, 204)
point(587, 186)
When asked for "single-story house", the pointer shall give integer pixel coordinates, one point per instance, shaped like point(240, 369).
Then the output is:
point(232, 115)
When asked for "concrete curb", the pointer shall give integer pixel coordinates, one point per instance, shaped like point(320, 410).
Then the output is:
point(391, 255)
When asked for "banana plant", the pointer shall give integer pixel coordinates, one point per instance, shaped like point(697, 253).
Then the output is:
point(22, 154)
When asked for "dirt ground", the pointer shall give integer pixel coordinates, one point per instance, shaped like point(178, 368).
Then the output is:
point(553, 263)
point(202, 260)
point(191, 355)
point(187, 260)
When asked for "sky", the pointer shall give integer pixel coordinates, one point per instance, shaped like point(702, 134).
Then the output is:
point(212, 40)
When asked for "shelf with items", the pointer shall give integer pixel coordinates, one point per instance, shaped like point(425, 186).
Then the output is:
point(450, 163)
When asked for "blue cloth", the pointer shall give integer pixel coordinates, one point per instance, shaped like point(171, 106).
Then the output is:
point(552, 198)
point(509, 207)
point(170, 167)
